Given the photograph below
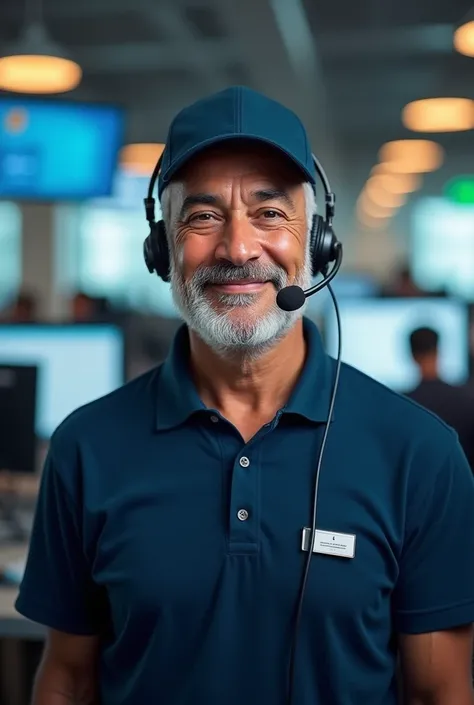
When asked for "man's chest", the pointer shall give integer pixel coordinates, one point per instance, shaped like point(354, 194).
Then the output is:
point(226, 516)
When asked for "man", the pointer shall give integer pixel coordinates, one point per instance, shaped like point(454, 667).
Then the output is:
point(166, 553)
point(452, 404)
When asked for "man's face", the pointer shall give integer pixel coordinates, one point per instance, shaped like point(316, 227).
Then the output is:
point(238, 235)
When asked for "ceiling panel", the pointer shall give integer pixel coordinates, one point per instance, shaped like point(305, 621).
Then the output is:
point(154, 56)
point(428, 11)
point(100, 29)
point(204, 22)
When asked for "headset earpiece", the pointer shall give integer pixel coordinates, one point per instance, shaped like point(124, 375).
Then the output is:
point(156, 251)
point(323, 245)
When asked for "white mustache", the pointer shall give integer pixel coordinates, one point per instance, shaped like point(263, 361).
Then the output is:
point(225, 275)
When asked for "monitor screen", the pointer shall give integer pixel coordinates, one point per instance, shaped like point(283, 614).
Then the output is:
point(346, 285)
point(18, 394)
point(76, 364)
point(55, 150)
point(375, 338)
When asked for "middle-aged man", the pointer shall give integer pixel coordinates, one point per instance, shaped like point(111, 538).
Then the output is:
point(166, 556)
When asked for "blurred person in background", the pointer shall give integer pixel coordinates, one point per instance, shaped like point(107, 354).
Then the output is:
point(402, 284)
point(94, 309)
point(83, 308)
point(24, 309)
point(451, 403)
point(166, 555)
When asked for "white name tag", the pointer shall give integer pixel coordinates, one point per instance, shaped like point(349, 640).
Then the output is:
point(330, 543)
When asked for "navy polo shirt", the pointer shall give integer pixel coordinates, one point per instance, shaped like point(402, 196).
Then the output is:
point(160, 530)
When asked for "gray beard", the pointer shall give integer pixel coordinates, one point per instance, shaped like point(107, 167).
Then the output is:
point(236, 335)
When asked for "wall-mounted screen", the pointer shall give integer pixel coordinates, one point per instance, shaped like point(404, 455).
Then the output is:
point(53, 150)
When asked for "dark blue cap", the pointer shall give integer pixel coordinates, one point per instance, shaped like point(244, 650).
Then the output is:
point(235, 113)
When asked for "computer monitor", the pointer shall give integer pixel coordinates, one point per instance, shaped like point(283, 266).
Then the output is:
point(18, 385)
point(375, 337)
point(347, 285)
point(76, 364)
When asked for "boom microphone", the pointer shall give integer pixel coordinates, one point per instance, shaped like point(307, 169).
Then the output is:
point(291, 298)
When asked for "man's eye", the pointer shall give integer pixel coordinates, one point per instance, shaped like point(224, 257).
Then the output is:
point(271, 214)
point(200, 216)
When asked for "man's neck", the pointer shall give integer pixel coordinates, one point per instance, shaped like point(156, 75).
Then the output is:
point(239, 385)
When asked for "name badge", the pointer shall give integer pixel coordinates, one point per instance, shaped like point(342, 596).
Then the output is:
point(330, 543)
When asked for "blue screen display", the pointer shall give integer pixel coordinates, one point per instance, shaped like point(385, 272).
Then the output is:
point(50, 150)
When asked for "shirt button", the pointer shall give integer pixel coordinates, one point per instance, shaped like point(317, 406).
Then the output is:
point(244, 461)
point(243, 514)
point(214, 419)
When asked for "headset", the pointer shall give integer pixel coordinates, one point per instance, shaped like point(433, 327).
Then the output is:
point(325, 250)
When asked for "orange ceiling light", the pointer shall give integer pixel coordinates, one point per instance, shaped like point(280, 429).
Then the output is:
point(140, 158)
point(37, 65)
point(439, 115)
point(463, 39)
point(411, 156)
point(38, 74)
point(381, 197)
point(370, 222)
point(367, 208)
point(396, 183)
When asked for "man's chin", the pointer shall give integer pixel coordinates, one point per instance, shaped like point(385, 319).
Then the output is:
point(242, 317)
point(222, 303)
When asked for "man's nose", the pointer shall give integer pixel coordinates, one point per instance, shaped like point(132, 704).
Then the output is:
point(239, 242)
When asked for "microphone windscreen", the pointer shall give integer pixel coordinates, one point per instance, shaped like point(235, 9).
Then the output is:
point(291, 298)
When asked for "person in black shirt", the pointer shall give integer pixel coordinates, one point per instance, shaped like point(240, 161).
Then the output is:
point(452, 404)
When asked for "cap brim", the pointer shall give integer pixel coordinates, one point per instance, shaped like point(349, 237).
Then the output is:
point(168, 174)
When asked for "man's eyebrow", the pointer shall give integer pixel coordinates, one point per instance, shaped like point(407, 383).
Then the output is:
point(197, 199)
point(274, 194)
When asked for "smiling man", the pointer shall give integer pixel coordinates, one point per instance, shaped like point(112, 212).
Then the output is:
point(225, 288)
point(166, 555)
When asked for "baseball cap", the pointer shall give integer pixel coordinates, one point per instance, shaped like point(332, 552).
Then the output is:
point(235, 113)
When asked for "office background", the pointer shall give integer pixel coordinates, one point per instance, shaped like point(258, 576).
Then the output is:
point(386, 91)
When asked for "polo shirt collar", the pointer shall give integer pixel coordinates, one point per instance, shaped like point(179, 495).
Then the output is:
point(178, 399)
point(311, 396)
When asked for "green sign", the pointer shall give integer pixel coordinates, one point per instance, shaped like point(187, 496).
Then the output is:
point(461, 190)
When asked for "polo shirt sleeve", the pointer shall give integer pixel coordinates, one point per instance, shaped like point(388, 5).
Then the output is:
point(435, 587)
point(57, 590)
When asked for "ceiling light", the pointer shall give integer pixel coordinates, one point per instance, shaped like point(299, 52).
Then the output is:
point(396, 183)
point(378, 195)
point(366, 207)
point(141, 158)
point(371, 222)
point(464, 38)
point(439, 115)
point(37, 65)
point(411, 156)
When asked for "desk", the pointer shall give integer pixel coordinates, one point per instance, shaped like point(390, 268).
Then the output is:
point(14, 631)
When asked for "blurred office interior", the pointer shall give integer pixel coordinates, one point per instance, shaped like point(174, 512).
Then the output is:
point(87, 91)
